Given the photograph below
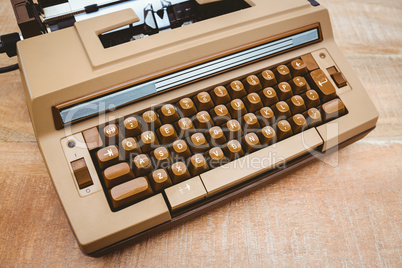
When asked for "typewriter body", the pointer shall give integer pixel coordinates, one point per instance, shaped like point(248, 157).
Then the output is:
point(101, 102)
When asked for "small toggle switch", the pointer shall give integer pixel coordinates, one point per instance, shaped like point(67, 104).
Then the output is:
point(81, 173)
point(338, 77)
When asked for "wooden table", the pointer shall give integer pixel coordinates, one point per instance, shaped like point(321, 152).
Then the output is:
point(346, 211)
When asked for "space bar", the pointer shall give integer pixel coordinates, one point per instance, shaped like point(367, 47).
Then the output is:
point(261, 161)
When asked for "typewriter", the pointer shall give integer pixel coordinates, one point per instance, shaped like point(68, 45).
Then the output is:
point(150, 112)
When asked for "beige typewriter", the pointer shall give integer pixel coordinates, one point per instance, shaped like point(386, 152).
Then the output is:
point(151, 112)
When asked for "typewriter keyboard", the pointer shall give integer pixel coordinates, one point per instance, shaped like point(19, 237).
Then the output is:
point(167, 148)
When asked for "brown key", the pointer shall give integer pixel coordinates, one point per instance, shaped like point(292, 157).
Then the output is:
point(187, 107)
point(130, 147)
point(130, 192)
point(198, 143)
point(282, 73)
point(332, 109)
point(266, 116)
point(298, 123)
point(203, 101)
point(151, 120)
point(111, 134)
point(117, 174)
point(236, 108)
point(167, 134)
point(250, 142)
point(250, 123)
point(220, 114)
point(132, 127)
point(252, 84)
point(179, 172)
point(148, 141)
point(311, 98)
point(313, 117)
point(281, 110)
point(184, 127)
point(299, 85)
point(233, 129)
point(296, 104)
point(215, 157)
point(268, 78)
point(236, 90)
point(321, 83)
point(92, 138)
point(269, 96)
point(267, 135)
point(233, 150)
point(142, 165)
point(284, 91)
point(283, 129)
point(297, 67)
point(215, 136)
point(309, 62)
point(220, 95)
point(168, 114)
point(161, 157)
point(253, 102)
point(107, 156)
point(197, 164)
point(180, 150)
point(159, 180)
point(203, 121)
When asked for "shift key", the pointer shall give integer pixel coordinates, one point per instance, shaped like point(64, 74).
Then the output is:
point(185, 193)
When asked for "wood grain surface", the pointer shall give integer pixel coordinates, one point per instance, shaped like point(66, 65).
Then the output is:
point(344, 212)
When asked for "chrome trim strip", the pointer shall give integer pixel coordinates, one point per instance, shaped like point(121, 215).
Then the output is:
point(130, 94)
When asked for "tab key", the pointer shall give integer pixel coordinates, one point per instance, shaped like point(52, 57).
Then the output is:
point(108, 156)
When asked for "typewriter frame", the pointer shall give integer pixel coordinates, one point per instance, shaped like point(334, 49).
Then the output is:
point(68, 64)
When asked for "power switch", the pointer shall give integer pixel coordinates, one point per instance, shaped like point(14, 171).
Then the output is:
point(338, 77)
point(81, 173)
